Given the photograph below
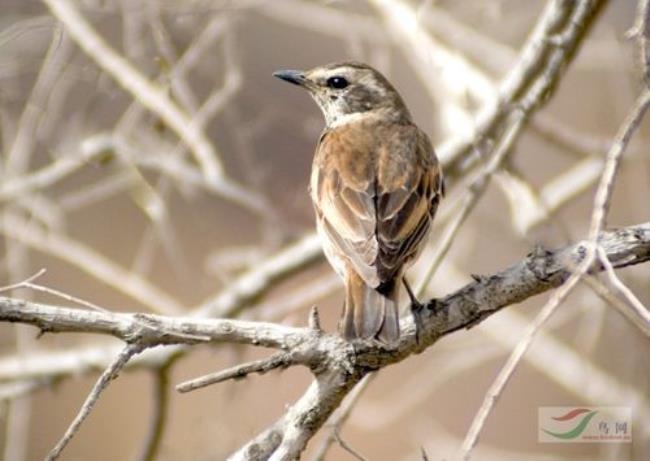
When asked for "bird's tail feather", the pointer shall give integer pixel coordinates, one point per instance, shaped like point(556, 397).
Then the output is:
point(370, 312)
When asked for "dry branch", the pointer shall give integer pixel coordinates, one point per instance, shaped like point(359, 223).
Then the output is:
point(548, 50)
point(102, 383)
point(540, 271)
point(148, 94)
point(338, 365)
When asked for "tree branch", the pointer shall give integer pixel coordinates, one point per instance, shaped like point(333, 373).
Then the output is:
point(102, 383)
point(279, 360)
point(159, 415)
point(540, 271)
point(148, 329)
point(338, 365)
point(544, 57)
point(149, 95)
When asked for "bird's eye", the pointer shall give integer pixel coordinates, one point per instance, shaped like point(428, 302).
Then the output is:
point(337, 82)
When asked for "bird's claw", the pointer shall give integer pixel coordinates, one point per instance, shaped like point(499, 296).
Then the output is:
point(416, 309)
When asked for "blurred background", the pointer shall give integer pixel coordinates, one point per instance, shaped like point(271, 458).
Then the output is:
point(99, 191)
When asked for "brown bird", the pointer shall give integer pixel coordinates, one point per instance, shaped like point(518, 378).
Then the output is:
point(375, 184)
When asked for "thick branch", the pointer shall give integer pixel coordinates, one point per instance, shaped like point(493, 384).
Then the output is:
point(540, 271)
point(148, 329)
point(241, 292)
point(338, 364)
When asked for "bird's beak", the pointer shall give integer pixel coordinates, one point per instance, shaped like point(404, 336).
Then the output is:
point(297, 77)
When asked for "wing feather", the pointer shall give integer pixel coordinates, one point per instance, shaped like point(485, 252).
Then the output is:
point(375, 190)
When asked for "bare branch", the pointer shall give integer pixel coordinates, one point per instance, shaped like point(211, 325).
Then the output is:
point(23, 283)
point(640, 314)
point(279, 360)
point(241, 292)
point(138, 86)
point(341, 416)
point(141, 158)
point(549, 48)
point(17, 159)
point(342, 364)
point(159, 415)
point(13, 390)
point(437, 66)
point(641, 32)
point(465, 308)
point(598, 217)
point(102, 383)
point(346, 446)
point(48, 175)
point(474, 193)
point(253, 283)
point(612, 163)
point(149, 329)
point(90, 261)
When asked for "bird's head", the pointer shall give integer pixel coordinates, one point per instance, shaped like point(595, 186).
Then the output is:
point(348, 91)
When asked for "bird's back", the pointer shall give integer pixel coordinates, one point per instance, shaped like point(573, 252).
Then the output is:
point(372, 184)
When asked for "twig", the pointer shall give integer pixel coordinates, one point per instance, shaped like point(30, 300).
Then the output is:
point(566, 365)
point(147, 328)
point(242, 291)
point(159, 415)
point(104, 380)
point(346, 446)
point(310, 293)
point(462, 309)
point(529, 209)
point(640, 313)
point(599, 214)
point(23, 283)
point(624, 307)
point(474, 193)
point(279, 360)
point(253, 283)
point(475, 45)
point(317, 18)
point(89, 261)
point(138, 86)
point(65, 296)
point(541, 271)
point(17, 429)
point(435, 64)
point(552, 44)
point(46, 176)
point(98, 191)
point(612, 163)
point(58, 53)
point(641, 32)
point(508, 369)
point(341, 416)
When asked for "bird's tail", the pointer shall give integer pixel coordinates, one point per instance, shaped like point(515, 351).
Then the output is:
point(370, 312)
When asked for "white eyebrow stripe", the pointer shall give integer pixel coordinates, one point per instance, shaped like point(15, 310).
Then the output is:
point(337, 71)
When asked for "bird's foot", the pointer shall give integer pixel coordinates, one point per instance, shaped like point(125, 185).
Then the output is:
point(416, 310)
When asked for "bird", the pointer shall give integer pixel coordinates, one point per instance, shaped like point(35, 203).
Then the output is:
point(375, 185)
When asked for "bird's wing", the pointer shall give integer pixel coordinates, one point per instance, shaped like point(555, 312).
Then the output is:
point(342, 189)
point(373, 191)
point(409, 189)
